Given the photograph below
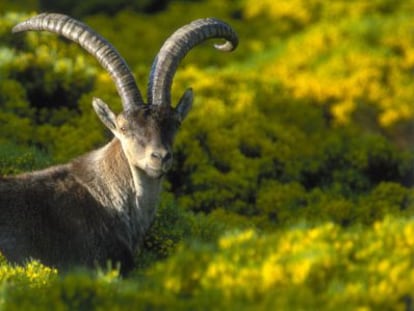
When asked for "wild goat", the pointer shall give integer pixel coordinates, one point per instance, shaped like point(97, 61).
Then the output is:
point(99, 206)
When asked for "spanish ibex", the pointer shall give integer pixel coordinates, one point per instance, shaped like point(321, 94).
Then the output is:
point(98, 207)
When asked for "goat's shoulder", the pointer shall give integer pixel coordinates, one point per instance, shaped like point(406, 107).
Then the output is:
point(105, 168)
point(41, 180)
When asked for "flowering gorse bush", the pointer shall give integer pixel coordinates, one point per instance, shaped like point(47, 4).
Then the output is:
point(311, 266)
point(293, 174)
point(364, 60)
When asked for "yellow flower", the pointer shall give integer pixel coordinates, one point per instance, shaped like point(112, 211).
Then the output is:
point(300, 271)
point(272, 272)
point(231, 240)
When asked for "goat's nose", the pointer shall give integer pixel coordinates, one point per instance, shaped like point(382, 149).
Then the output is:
point(161, 156)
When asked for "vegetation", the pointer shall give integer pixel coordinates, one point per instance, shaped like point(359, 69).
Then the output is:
point(293, 179)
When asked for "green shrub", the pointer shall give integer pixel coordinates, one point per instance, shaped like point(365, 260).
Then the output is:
point(15, 159)
point(43, 78)
point(173, 226)
point(82, 8)
point(292, 181)
point(305, 267)
point(308, 267)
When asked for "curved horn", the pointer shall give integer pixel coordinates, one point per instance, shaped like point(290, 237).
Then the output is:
point(96, 45)
point(177, 46)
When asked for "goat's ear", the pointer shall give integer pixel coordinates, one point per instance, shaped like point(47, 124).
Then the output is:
point(185, 103)
point(104, 113)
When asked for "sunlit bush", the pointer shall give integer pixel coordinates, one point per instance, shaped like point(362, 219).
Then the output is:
point(304, 267)
point(14, 160)
point(43, 80)
point(293, 174)
point(363, 61)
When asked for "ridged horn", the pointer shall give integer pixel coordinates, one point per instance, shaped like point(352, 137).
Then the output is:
point(177, 46)
point(96, 45)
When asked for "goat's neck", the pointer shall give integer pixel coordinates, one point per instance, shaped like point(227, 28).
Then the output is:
point(115, 183)
point(147, 189)
point(120, 188)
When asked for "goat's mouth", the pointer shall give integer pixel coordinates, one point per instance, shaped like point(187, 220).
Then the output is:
point(155, 172)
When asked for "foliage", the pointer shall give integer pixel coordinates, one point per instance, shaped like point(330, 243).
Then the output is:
point(303, 267)
point(40, 91)
point(292, 183)
point(32, 274)
point(14, 160)
point(81, 8)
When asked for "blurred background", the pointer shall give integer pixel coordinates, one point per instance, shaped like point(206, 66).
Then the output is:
point(315, 105)
point(303, 134)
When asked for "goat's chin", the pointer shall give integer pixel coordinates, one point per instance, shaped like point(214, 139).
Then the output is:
point(155, 172)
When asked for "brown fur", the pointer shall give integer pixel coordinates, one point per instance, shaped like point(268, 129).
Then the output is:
point(54, 215)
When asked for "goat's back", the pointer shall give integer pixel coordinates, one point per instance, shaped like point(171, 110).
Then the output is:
point(48, 215)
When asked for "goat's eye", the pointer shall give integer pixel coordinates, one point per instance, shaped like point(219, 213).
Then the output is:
point(123, 129)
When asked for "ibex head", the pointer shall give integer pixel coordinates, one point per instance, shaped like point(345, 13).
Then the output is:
point(146, 131)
